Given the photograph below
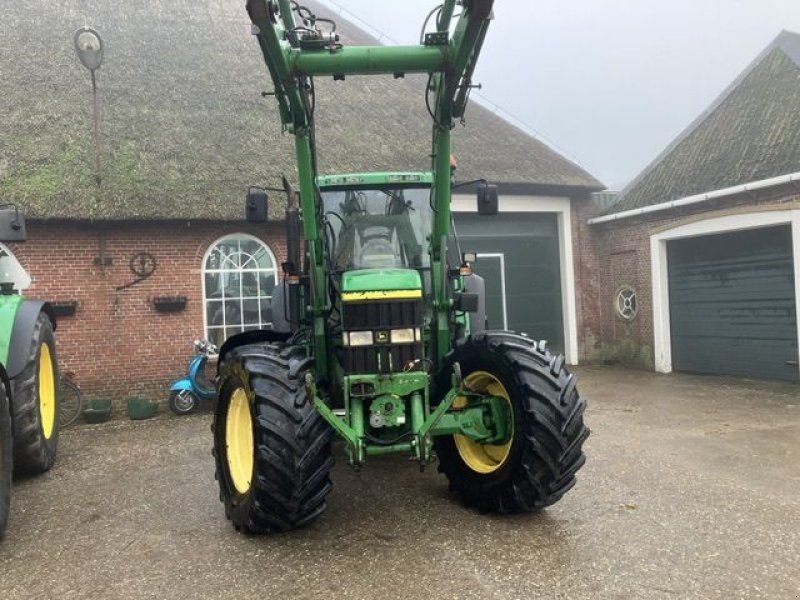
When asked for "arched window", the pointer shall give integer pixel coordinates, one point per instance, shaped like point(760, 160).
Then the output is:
point(12, 270)
point(238, 278)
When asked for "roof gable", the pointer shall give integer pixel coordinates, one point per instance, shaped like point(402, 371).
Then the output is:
point(751, 132)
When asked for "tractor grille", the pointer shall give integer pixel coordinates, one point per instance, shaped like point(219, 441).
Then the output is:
point(381, 316)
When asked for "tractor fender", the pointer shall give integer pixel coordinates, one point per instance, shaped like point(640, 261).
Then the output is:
point(24, 322)
point(249, 337)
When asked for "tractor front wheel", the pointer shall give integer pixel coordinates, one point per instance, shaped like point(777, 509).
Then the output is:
point(272, 449)
point(35, 403)
point(5, 457)
point(536, 465)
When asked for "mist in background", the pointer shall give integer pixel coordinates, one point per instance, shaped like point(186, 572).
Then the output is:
point(608, 83)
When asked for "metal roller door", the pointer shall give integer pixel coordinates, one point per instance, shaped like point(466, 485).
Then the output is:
point(518, 256)
point(732, 304)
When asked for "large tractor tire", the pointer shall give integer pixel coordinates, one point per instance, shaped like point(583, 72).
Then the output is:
point(272, 449)
point(537, 465)
point(5, 457)
point(34, 405)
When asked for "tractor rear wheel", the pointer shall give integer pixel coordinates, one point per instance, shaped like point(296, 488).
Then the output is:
point(5, 457)
point(34, 404)
point(272, 449)
point(536, 466)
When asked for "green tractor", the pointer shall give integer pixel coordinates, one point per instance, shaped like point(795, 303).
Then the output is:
point(28, 374)
point(378, 332)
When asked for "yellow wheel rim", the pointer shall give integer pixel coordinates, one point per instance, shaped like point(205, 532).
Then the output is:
point(239, 441)
point(47, 391)
point(484, 458)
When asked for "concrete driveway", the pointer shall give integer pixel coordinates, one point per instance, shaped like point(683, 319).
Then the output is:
point(691, 490)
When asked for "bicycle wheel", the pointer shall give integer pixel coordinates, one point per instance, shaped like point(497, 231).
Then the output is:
point(71, 403)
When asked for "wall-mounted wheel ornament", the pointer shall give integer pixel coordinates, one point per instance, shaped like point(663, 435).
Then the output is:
point(625, 302)
point(143, 264)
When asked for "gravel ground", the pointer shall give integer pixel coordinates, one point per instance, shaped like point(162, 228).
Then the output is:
point(691, 490)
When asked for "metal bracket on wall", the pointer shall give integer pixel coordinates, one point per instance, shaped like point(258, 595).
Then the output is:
point(103, 261)
point(143, 265)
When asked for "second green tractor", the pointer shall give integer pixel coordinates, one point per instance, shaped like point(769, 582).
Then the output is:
point(29, 398)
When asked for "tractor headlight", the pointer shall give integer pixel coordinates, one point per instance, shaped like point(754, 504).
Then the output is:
point(402, 336)
point(358, 338)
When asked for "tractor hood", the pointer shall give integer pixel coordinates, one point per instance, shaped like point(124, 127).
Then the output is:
point(373, 280)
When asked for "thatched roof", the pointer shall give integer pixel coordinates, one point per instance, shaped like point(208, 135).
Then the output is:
point(751, 132)
point(185, 129)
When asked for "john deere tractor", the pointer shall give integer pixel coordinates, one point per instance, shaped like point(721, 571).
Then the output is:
point(28, 374)
point(378, 332)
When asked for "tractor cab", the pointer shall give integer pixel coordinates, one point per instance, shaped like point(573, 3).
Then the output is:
point(378, 220)
point(13, 276)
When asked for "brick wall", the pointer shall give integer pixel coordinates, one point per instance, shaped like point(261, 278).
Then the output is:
point(588, 309)
point(621, 256)
point(117, 344)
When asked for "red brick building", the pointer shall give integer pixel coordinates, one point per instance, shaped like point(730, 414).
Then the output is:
point(185, 131)
point(697, 266)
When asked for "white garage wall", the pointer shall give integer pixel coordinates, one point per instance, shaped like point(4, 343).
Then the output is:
point(466, 203)
point(662, 341)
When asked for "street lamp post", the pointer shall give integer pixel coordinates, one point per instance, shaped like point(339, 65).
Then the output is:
point(89, 48)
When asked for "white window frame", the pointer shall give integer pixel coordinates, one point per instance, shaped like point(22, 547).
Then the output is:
point(662, 338)
point(561, 206)
point(502, 258)
point(204, 271)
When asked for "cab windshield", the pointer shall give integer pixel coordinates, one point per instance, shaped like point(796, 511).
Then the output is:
point(384, 227)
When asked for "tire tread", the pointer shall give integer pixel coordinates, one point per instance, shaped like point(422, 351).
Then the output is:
point(33, 453)
point(549, 451)
point(293, 443)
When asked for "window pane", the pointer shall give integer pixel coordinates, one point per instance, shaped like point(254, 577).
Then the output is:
point(216, 335)
point(213, 260)
point(251, 312)
point(267, 283)
point(249, 284)
point(214, 316)
point(213, 285)
point(263, 259)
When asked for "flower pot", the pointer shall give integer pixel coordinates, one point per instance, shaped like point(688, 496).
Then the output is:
point(65, 308)
point(141, 408)
point(168, 304)
point(98, 411)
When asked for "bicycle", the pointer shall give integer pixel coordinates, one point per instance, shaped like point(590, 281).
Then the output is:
point(71, 400)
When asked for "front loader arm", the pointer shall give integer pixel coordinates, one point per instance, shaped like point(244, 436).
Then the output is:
point(294, 54)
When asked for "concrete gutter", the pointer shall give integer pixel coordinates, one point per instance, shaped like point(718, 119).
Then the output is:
point(698, 198)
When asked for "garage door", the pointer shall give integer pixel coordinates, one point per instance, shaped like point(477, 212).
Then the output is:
point(519, 259)
point(732, 304)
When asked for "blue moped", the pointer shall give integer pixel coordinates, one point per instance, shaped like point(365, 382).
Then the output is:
point(186, 394)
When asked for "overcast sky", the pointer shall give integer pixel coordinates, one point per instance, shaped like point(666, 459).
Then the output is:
point(608, 83)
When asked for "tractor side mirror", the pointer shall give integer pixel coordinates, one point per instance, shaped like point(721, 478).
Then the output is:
point(255, 208)
point(12, 224)
point(487, 199)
